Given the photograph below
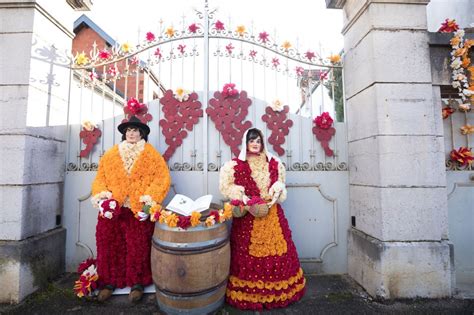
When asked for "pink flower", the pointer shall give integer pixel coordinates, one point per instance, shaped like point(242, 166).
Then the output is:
point(134, 106)
point(229, 48)
point(323, 75)
point(104, 54)
point(323, 121)
point(134, 60)
point(181, 48)
point(157, 53)
point(275, 62)
point(299, 71)
point(263, 36)
point(150, 36)
point(219, 25)
point(229, 90)
point(255, 200)
point(253, 54)
point(310, 55)
point(193, 28)
point(112, 71)
point(93, 75)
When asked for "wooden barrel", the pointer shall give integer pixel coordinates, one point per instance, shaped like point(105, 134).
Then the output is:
point(190, 268)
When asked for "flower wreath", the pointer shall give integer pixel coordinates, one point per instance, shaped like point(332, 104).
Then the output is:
point(460, 61)
point(180, 221)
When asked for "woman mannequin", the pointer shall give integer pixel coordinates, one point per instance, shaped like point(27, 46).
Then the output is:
point(265, 271)
point(128, 173)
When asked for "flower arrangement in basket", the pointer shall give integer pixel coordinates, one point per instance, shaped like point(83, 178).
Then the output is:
point(174, 220)
point(256, 206)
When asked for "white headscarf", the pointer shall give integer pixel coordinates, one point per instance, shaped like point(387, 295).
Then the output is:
point(243, 151)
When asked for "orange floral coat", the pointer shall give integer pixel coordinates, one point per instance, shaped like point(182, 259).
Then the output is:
point(149, 176)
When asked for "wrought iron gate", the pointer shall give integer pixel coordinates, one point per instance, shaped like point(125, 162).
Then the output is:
point(267, 74)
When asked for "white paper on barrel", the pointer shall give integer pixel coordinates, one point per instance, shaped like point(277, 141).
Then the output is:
point(184, 205)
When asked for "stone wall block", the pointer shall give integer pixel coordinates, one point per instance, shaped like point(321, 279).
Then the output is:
point(13, 108)
point(15, 50)
point(398, 161)
point(403, 58)
point(31, 160)
point(18, 20)
point(396, 214)
point(400, 269)
point(391, 109)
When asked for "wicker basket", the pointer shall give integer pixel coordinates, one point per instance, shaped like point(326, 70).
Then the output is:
point(259, 211)
point(239, 211)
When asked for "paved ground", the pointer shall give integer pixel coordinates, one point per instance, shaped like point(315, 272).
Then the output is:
point(325, 295)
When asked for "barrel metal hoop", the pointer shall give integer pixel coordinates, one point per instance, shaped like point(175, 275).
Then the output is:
point(190, 296)
point(208, 309)
point(189, 229)
point(187, 248)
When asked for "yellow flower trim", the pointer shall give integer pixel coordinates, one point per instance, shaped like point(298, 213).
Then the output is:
point(172, 220)
point(259, 298)
point(260, 174)
point(266, 238)
point(277, 285)
point(149, 176)
point(195, 218)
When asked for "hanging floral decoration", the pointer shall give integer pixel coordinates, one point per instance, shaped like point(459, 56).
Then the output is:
point(104, 54)
point(81, 59)
point(463, 156)
point(229, 48)
point(253, 54)
point(89, 135)
point(228, 110)
point(87, 282)
point(299, 71)
point(324, 131)
point(447, 111)
point(135, 108)
point(448, 26)
point(276, 119)
point(460, 62)
point(182, 111)
point(467, 129)
point(181, 48)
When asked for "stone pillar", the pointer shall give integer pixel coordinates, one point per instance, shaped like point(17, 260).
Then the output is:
point(399, 246)
point(34, 84)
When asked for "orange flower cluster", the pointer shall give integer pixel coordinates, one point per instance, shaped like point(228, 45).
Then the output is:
point(149, 176)
point(266, 238)
point(277, 285)
point(464, 156)
point(259, 298)
point(171, 219)
point(467, 129)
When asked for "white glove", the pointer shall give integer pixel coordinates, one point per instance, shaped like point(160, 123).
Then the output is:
point(142, 216)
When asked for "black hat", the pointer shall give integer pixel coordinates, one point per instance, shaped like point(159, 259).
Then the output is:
point(133, 122)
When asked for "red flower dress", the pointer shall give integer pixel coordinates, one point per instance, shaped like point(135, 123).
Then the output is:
point(265, 271)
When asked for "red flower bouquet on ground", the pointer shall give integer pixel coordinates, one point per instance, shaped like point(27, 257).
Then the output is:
point(87, 281)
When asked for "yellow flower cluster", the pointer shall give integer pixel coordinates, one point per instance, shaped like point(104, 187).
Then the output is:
point(168, 218)
point(259, 298)
point(266, 238)
point(195, 218)
point(277, 285)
